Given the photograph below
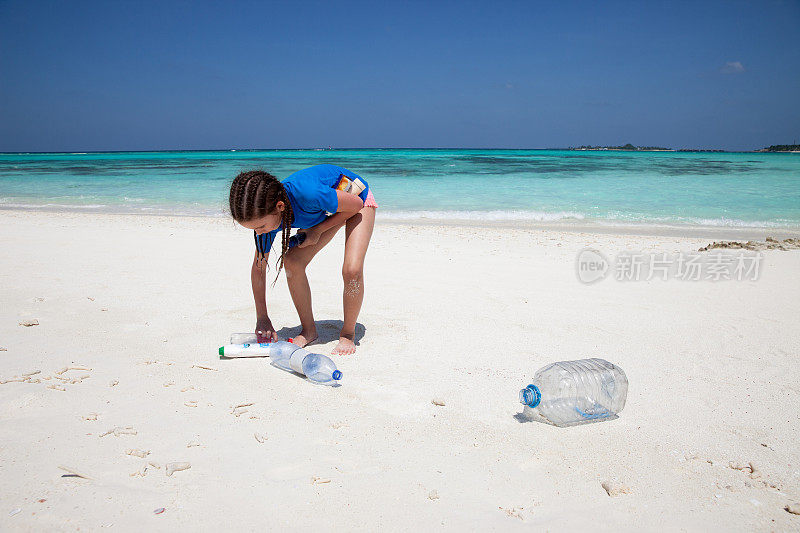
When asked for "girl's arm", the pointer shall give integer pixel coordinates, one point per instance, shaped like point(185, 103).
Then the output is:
point(348, 205)
point(258, 279)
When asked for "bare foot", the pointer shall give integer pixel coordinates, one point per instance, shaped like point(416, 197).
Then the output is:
point(346, 345)
point(304, 338)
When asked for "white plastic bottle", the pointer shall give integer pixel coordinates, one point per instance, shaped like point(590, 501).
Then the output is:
point(569, 393)
point(247, 345)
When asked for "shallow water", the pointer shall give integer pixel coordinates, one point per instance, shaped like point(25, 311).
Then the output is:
point(706, 189)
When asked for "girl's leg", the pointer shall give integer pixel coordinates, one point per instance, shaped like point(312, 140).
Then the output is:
point(294, 263)
point(358, 231)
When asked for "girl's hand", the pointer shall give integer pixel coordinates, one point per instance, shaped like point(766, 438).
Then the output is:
point(312, 237)
point(264, 330)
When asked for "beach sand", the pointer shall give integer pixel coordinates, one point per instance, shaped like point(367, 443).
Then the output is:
point(463, 315)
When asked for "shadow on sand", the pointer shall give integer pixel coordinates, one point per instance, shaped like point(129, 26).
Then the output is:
point(328, 330)
point(523, 418)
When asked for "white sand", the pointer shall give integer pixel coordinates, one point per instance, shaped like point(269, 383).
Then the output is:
point(457, 313)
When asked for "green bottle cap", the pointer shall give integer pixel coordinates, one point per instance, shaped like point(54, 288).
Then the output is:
point(222, 350)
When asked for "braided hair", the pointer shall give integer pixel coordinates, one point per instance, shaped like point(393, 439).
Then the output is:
point(255, 194)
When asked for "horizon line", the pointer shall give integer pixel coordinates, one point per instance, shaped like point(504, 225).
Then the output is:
point(330, 149)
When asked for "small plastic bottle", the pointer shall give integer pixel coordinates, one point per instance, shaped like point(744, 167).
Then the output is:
point(569, 393)
point(244, 338)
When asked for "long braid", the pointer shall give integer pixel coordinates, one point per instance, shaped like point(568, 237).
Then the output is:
point(254, 194)
point(287, 219)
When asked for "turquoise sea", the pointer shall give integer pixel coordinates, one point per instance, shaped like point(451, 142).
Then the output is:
point(608, 187)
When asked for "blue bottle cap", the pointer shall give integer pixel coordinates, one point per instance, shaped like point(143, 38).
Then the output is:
point(530, 396)
point(337, 375)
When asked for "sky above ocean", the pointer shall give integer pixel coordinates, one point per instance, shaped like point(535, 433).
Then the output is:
point(210, 75)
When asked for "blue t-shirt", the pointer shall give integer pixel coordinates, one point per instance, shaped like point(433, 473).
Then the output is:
point(312, 193)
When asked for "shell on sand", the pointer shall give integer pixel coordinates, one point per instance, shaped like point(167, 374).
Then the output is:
point(141, 472)
point(137, 453)
point(615, 488)
point(117, 431)
point(73, 472)
point(171, 468)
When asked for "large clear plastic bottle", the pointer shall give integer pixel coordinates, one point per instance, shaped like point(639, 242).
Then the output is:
point(318, 368)
point(321, 369)
point(569, 393)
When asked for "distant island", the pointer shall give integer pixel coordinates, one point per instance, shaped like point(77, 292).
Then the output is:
point(781, 148)
point(627, 147)
point(632, 148)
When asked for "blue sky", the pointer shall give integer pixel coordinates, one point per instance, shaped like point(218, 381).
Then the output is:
point(200, 75)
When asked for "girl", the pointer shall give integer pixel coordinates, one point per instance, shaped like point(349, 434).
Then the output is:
point(320, 200)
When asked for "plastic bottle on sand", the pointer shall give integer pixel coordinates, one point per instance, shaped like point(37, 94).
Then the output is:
point(317, 368)
point(569, 393)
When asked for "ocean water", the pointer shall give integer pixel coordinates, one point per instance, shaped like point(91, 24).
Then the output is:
point(659, 188)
